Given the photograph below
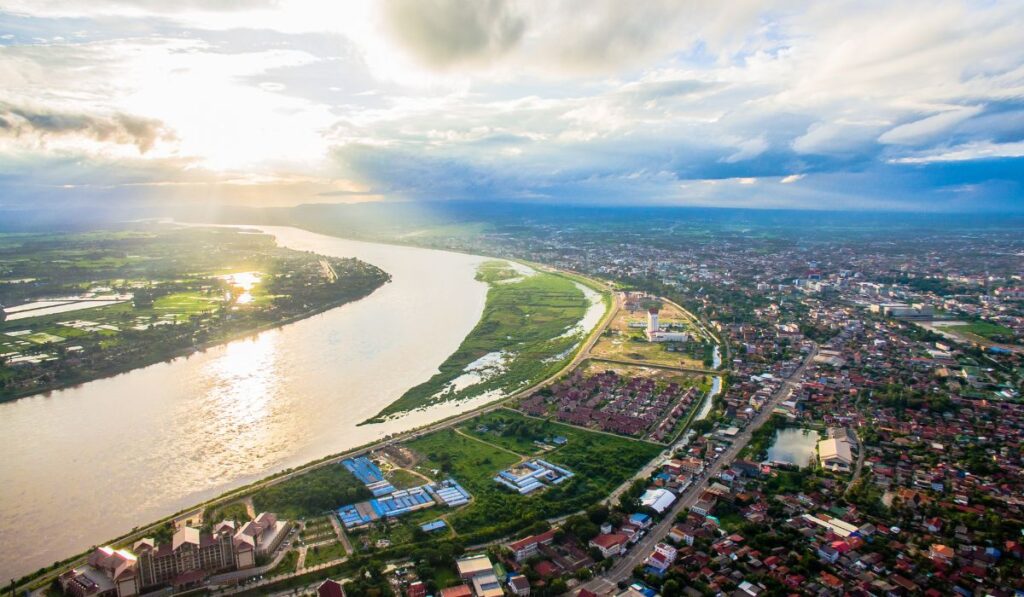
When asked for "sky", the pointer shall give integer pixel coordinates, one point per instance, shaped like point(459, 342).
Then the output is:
point(894, 105)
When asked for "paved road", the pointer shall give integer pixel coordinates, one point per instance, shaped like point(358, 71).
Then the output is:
point(340, 532)
point(623, 567)
point(859, 467)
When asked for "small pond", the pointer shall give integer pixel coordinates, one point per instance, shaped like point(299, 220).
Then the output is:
point(794, 446)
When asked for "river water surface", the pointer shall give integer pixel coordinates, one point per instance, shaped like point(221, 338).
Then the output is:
point(83, 465)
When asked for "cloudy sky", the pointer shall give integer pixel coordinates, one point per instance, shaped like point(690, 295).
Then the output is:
point(850, 105)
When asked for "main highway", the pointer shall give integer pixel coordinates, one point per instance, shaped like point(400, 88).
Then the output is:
point(623, 567)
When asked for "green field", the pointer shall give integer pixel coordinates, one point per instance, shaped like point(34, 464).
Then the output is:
point(188, 303)
point(318, 554)
point(403, 479)
point(524, 319)
point(516, 432)
point(988, 331)
point(312, 493)
point(287, 565)
point(600, 462)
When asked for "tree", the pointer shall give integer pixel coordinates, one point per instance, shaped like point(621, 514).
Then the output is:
point(671, 588)
point(598, 513)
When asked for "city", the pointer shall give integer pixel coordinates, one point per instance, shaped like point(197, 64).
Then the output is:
point(487, 298)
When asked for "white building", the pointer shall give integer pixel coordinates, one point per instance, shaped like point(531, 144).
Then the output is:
point(658, 500)
point(835, 454)
point(656, 334)
point(663, 556)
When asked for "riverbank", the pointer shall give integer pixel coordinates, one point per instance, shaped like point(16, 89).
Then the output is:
point(530, 327)
point(186, 352)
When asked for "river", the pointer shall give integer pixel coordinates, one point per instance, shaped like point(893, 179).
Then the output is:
point(716, 387)
point(86, 464)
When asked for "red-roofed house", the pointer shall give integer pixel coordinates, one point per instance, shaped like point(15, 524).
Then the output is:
point(330, 588)
point(459, 591)
point(611, 544)
point(525, 548)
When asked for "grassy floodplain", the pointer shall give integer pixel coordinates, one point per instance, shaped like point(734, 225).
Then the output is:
point(523, 336)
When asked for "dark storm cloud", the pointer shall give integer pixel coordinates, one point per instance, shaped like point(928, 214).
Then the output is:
point(443, 33)
point(115, 128)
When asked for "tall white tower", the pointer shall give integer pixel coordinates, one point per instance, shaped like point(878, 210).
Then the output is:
point(652, 321)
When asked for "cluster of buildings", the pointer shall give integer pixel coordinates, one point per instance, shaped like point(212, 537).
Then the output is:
point(389, 502)
point(634, 406)
point(188, 560)
point(532, 475)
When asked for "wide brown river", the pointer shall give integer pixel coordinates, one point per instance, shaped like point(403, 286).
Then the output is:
point(83, 465)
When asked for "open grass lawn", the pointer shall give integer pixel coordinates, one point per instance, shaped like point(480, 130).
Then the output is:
point(629, 346)
point(311, 494)
point(399, 532)
point(445, 577)
point(403, 479)
point(526, 318)
point(287, 565)
point(318, 554)
point(660, 375)
point(44, 338)
point(514, 431)
point(318, 529)
point(983, 329)
point(731, 522)
point(470, 462)
point(319, 522)
point(186, 303)
point(601, 463)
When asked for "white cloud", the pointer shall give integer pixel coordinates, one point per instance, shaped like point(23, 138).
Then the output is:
point(925, 129)
point(751, 148)
point(836, 137)
point(792, 178)
point(969, 151)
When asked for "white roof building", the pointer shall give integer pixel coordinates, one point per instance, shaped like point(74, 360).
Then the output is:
point(658, 500)
point(835, 454)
